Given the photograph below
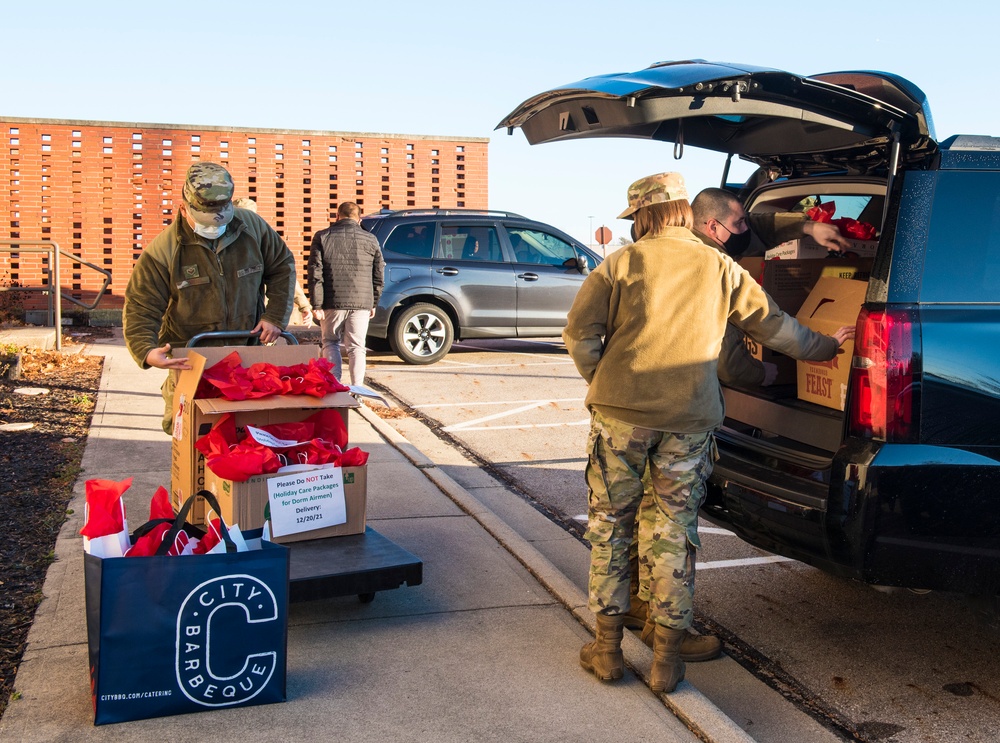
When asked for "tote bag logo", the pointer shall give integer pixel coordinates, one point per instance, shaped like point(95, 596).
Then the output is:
point(232, 664)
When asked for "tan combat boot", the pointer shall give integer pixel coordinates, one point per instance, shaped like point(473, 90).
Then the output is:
point(694, 649)
point(603, 656)
point(668, 668)
point(637, 614)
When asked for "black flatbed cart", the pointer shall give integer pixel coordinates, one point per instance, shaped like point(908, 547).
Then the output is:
point(360, 564)
point(356, 564)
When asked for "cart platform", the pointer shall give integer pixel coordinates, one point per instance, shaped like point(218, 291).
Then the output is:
point(360, 564)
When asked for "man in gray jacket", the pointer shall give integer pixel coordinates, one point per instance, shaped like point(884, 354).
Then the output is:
point(345, 282)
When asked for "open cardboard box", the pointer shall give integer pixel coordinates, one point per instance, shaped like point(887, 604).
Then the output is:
point(243, 503)
point(197, 416)
point(831, 304)
point(789, 282)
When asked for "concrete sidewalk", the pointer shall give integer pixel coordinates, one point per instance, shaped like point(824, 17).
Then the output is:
point(485, 649)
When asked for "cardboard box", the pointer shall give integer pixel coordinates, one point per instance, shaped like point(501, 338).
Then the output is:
point(754, 266)
point(806, 247)
point(787, 372)
point(243, 502)
point(197, 416)
point(789, 282)
point(831, 304)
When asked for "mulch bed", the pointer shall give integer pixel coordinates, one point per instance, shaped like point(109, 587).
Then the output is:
point(38, 468)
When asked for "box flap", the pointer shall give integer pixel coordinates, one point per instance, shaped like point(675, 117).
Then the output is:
point(216, 405)
point(281, 355)
point(187, 381)
point(833, 300)
point(203, 358)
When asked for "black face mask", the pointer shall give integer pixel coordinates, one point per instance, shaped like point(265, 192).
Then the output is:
point(737, 242)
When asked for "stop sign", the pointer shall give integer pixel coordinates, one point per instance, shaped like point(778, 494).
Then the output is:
point(603, 235)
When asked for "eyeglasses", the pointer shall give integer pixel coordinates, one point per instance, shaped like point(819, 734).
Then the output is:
point(723, 226)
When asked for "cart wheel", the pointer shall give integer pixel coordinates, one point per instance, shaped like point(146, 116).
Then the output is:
point(366, 598)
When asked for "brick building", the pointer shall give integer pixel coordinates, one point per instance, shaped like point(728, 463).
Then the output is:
point(103, 190)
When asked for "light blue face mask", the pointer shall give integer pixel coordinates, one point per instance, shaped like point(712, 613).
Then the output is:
point(209, 233)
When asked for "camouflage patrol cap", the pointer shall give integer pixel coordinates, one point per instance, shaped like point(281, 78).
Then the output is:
point(208, 192)
point(654, 189)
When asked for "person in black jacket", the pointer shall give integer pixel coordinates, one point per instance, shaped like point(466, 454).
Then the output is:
point(345, 281)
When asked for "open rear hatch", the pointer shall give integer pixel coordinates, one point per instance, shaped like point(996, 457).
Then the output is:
point(797, 124)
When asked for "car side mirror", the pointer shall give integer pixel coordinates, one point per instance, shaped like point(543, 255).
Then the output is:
point(581, 265)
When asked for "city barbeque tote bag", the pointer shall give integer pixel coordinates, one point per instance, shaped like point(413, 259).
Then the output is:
point(187, 633)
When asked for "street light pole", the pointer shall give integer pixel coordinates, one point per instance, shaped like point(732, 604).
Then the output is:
point(590, 239)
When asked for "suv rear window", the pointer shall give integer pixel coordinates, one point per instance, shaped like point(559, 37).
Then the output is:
point(963, 244)
point(415, 239)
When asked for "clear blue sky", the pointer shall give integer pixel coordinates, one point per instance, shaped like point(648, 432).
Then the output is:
point(457, 68)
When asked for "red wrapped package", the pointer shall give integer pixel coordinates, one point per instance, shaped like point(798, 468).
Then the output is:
point(217, 380)
point(159, 505)
point(229, 379)
point(146, 545)
point(105, 515)
point(319, 439)
point(232, 459)
point(822, 212)
point(854, 229)
point(212, 537)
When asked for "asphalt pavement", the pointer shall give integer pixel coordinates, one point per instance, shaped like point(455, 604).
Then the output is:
point(485, 648)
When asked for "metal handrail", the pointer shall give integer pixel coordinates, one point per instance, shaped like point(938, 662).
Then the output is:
point(100, 293)
point(52, 248)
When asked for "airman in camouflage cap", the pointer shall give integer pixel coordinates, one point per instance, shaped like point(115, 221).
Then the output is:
point(208, 193)
point(654, 189)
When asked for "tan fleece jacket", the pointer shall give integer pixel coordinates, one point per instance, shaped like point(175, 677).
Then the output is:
point(647, 325)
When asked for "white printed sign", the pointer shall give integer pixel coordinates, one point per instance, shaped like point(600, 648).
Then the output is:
point(303, 501)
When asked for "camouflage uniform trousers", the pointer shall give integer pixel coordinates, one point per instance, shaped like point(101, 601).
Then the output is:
point(667, 523)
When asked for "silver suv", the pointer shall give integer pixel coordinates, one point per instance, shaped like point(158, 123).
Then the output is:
point(453, 274)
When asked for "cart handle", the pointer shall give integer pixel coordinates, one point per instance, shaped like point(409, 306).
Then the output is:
point(234, 334)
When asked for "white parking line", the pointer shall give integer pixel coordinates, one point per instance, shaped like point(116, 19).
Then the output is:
point(495, 402)
point(519, 364)
point(467, 427)
point(473, 425)
point(450, 367)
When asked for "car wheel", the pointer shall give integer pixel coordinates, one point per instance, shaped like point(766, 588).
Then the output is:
point(421, 334)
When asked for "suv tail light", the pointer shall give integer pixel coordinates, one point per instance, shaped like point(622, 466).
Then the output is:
point(883, 394)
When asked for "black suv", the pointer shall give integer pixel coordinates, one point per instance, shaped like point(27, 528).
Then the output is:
point(903, 488)
point(452, 274)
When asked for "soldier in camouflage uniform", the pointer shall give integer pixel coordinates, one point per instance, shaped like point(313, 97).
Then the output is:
point(645, 333)
point(210, 270)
